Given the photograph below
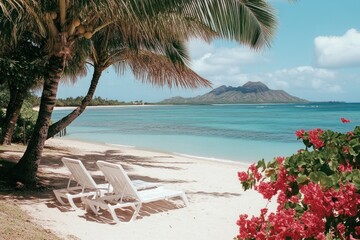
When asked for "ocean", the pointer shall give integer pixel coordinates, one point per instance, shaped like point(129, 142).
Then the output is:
point(239, 132)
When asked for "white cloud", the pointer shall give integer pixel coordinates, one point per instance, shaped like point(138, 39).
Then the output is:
point(198, 48)
point(235, 66)
point(304, 78)
point(338, 51)
point(223, 66)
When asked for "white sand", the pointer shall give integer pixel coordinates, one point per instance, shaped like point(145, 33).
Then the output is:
point(213, 189)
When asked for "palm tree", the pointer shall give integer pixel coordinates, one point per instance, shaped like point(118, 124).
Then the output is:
point(158, 61)
point(58, 25)
point(62, 24)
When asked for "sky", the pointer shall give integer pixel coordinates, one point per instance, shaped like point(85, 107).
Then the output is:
point(314, 55)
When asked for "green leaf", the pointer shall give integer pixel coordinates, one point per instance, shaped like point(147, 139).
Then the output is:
point(314, 177)
point(261, 163)
point(349, 177)
point(326, 181)
point(335, 180)
point(301, 178)
point(321, 174)
point(356, 172)
point(357, 183)
point(353, 152)
point(317, 176)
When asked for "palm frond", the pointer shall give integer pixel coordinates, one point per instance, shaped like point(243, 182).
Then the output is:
point(159, 70)
point(250, 22)
point(9, 6)
point(138, 30)
point(77, 67)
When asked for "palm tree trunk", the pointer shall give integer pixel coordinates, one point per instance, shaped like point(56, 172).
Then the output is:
point(25, 170)
point(67, 120)
point(17, 96)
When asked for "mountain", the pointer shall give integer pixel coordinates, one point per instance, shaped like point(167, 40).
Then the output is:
point(251, 92)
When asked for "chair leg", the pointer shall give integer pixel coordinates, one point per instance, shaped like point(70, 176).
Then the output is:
point(71, 202)
point(58, 197)
point(185, 199)
point(111, 209)
point(93, 206)
point(136, 212)
point(113, 214)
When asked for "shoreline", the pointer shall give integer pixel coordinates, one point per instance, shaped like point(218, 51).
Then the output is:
point(214, 192)
point(195, 157)
point(241, 160)
point(246, 159)
point(140, 149)
point(104, 106)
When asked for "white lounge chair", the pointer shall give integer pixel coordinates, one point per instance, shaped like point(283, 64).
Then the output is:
point(85, 184)
point(125, 193)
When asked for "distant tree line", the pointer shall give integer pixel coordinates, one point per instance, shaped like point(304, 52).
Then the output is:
point(97, 101)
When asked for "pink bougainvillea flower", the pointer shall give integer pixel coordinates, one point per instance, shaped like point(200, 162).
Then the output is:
point(300, 133)
point(280, 159)
point(267, 189)
point(300, 151)
point(357, 230)
point(255, 171)
point(321, 236)
point(306, 209)
point(346, 149)
point(344, 120)
point(243, 176)
point(350, 135)
point(314, 138)
point(345, 167)
point(341, 228)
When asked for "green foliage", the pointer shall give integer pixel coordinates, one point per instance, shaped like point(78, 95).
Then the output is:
point(322, 165)
point(97, 101)
point(25, 124)
point(24, 65)
point(2, 117)
point(33, 100)
point(4, 96)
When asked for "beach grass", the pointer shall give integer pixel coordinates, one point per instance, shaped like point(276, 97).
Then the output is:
point(17, 225)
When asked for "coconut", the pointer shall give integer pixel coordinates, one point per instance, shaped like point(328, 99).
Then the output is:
point(88, 35)
point(76, 22)
point(81, 29)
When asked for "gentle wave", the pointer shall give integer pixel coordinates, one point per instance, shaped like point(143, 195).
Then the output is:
point(120, 145)
point(208, 158)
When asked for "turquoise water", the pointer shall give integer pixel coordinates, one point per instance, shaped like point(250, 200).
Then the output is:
point(227, 132)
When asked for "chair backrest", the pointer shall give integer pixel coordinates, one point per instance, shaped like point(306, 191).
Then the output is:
point(79, 172)
point(118, 178)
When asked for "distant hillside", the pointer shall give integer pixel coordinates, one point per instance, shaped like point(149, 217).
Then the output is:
point(251, 92)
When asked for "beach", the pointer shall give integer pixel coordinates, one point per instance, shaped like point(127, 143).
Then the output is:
point(214, 192)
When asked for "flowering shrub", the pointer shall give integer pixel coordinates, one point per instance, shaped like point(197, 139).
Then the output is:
point(317, 190)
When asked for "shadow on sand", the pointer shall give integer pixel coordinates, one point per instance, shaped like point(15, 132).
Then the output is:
point(49, 178)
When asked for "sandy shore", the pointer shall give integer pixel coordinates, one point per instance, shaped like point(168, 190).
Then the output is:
point(214, 192)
